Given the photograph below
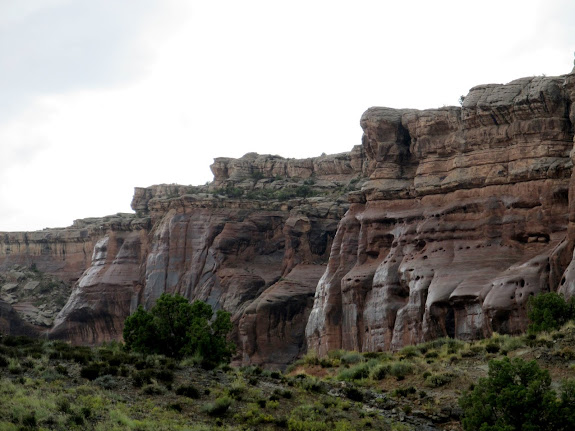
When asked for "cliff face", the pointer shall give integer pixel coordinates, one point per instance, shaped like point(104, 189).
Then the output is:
point(466, 216)
point(441, 223)
point(255, 243)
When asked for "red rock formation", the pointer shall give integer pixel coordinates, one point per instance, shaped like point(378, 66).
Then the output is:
point(232, 253)
point(443, 222)
point(466, 216)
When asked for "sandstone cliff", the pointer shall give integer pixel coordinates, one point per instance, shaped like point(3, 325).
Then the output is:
point(255, 242)
point(442, 222)
point(466, 216)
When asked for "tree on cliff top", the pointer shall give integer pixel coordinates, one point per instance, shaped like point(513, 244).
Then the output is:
point(176, 328)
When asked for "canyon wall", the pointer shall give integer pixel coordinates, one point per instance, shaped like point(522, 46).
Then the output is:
point(254, 242)
point(441, 223)
point(466, 215)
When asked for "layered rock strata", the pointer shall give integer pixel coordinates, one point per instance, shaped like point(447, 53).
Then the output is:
point(441, 223)
point(466, 215)
point(246, 242)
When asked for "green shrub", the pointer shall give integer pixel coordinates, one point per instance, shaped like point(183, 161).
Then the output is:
point(237, 389)
point(189, 391)
point(218, 407)
point(511, 343)
point(153, 389)
point(176, 328)
point(62, 369)
point(311, 358)
point(409, 352)
point(63, 404)
point(358, 371)
point(548, 311)
point(91, 371)
point(257, 175)
point(351, 358)
point(353, 393)
point(307, 417)
point(517, 395)
point(142, 377)
point(230, 191)
point(335, 354)
point(382, 356)
point(312, 384)
point(566, 353)
point(284, 393)
point(272, 404)
point(437, 380)
point(14, 366)
point(29, 420)
point(81, 355)
point(401, 369)
point(380, 371)
point(166, 376)
point(17, 340)
point(106, 382)
point(492, 347)
point(404, 392)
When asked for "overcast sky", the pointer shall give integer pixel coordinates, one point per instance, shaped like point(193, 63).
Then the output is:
point(98, 97)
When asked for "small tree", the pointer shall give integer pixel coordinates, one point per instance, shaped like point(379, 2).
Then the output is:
point(176, 328)
point(548, 311)
point(517, 395)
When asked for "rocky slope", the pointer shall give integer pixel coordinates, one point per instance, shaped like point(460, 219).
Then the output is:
point(442, 222)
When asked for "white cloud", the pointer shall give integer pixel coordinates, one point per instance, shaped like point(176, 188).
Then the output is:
point(105, 96)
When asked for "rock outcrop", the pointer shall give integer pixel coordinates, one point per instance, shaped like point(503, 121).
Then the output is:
point(252, 240)
point(466, 215)
point(441, 223)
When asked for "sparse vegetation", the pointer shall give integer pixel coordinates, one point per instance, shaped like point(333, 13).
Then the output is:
point(54, 391)
point(111, 387)
point(283, 194)
point(257, 175)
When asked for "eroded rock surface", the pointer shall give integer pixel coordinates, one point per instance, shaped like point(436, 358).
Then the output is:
point(231, 243)
point(466, 216)
point(441, 223)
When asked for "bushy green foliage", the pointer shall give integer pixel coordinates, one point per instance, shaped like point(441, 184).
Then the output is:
point(517, 395)
point(401, 369)
point(351, 358)
point(356, 372)
point(219, 407)
point(230, 191)
point(302, 191)
point(549, 311)
point(379, 371)
point(257, 175)
point(409, 352)
point(436, 380)
point(176, 328)
point(308, 417)
point(189, 391)
point(92, 370)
